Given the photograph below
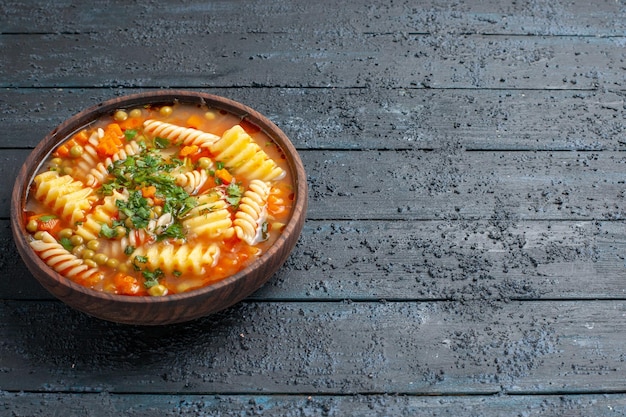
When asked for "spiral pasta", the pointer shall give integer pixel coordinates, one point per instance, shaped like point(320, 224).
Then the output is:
point(210, 218)
point(89, 158)
point(252, 213)
point(67, 197)
point(134, 205)
point(100, 172)
point(60, 259)
point(192, 181)
point(117, 248)
point(239, 153)
point(102, 214)
point(178, 259)
point(187, 136)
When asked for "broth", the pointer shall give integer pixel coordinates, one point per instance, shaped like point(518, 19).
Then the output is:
point(159, 200)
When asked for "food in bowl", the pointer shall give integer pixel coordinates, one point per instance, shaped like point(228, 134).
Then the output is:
point(154, 200)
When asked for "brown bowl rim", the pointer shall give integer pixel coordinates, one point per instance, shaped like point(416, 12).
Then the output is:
point(79, 120)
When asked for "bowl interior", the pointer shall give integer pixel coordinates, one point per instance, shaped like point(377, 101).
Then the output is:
point(175, 307)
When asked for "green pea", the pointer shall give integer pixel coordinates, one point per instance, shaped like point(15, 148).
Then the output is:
point(68, 170)
point(88, 254)
point(78, 250)
point(100, 258)
point(120, 115)
point(113, 263)
point(76, 151)
point(32, 225)
point(56, 161)
point(135, 113)
point(77, 240)
point(90, 263)
point(38, 235)
point(166, 111)
point(205, 162)
point(120, 231)
point(66, 233)
point(93, 244)
point(157, 290)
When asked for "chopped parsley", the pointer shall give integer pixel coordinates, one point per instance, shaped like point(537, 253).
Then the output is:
point(47, 218)
point(175, 231)
point(161, 143)
point(149, 169)
point(234, 192)
point(152, 277)
point(66, 243)
point(130, 134)
point(107, 231)
point(136, 209)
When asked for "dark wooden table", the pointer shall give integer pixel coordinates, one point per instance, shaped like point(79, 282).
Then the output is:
point(464, 250)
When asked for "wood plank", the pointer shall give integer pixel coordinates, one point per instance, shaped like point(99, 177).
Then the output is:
point(448, 183)
point(315, 59)
point(606, 18)
point(493, 260)
point(454, 184)
point(375, 118)
point(333, 348)
point(433, 260)
point(113, 405)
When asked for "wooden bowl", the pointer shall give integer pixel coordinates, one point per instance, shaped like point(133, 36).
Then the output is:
point(174, 308)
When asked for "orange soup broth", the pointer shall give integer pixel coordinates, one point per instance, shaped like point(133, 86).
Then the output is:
point(121, 274)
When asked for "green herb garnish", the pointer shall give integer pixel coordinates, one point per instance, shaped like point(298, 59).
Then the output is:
point(130, 134)
point(47, 218)
point(107, 232)
point(152, 277)
point(234, 192)
point(66, 243)
point(174, 231)
point(161, 143)
point(136, 209)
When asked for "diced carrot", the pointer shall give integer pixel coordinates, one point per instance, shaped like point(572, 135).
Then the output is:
point(62, 151)
point(126, 284)
point(81, 137)
point(111, 142)
point(47, 223)
point(203, 152)
point(275, 205)
point(115, 129)
point(224, 175)
point(148, 192)
point(188, 150)
point(131, 123)
point(194, 121)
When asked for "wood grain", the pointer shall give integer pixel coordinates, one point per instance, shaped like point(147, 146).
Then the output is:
point(464, 248)
point(376, 118)
point(145, 405)
point(426, 261)
point(340, 347)
point(490, 17)
point(368, 60)
point(449, 184)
